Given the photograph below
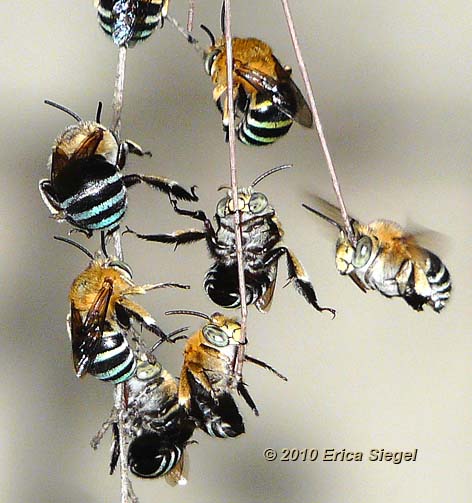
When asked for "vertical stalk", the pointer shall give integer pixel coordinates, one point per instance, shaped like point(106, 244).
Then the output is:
point(234, 186)
point(318, 125)
point(190, 15)
point(120, 389)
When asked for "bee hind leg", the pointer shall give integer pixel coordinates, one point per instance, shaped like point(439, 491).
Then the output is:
point(297, 274)
point(163, 184)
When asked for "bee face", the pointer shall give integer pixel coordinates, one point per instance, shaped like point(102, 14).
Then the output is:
point(250, 204)
point(222, 331)
point(358, 257)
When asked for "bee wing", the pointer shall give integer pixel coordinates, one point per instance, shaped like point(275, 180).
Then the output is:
point(86, 336)
point(285, 95)
point(264, 302)
point(179, 474)
point(89, 146)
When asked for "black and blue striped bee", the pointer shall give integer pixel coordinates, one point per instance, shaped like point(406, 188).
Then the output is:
point(158, 426)
point(87, 188)
point(100, 318)
point(262, 234)
point(265, 95)
point(130, 21)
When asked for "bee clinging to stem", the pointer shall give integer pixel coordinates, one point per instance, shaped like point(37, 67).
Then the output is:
point(261, 236)
point(159, 428)
point(265, 96)
point(87, 188)
point(208, 375)
point(386, 258)
point(130, 21)
point(100, 317)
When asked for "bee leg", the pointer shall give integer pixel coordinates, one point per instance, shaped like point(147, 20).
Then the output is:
point(264, 365)
point(297, 274)
point(112, 419)
point(166, 185)
point(115, 448)
point(142, 316)
point(126, 147)
point(49, 198)
point(177, 237)
point(201, 216)
point(242, 390)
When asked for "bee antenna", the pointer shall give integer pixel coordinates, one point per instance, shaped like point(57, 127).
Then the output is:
point(209, 33)
point(170, 337)
point(270, 172)
point(224, 187)
point(191, 313)
point(188, 36)
point(99, 112)
point(74, 243)
point(324, 217)
point(64, 109)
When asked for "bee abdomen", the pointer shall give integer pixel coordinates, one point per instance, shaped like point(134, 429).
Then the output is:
point(222, 286)
point(263, 125)
point(100, 204)
point(115, 361)
point(440, 282)
point(129, 21)
point(150, 457)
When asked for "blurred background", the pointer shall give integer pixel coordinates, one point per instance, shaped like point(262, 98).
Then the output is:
point(393, 85)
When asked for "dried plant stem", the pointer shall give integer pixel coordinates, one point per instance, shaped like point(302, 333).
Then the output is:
point(190, 15)
point(319, 127)
point(127, 494)
point(234, 187)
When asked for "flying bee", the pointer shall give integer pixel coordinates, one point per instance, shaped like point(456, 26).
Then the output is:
point(130, 21)
point(86, 187)
point(265, 96)
point(261, 237)
point(386, 258)
point(208, 375)
point(159, 428)
point(100, 317)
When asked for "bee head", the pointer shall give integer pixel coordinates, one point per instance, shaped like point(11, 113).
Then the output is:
point(350, 257)
point(222, 331)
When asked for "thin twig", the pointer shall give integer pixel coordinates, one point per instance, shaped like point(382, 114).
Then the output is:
point(319, 127)
point(127, 494)
point(190, 15)
point(234, 187)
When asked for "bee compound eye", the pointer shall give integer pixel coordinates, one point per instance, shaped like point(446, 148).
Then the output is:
point(363, 251)
point(258, 202)
point(119, 264)
point(146, 371)
point(215, 335)
point(210, 60)
point(221, 207)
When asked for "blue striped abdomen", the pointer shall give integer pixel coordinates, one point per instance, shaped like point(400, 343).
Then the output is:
point(115, 361)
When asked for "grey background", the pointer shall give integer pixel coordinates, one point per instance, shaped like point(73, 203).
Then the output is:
point(393, 85)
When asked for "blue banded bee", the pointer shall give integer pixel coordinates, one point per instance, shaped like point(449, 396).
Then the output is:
point(388, 259)
point(86, 187)
point(208, 376)
point(261, 236)
point(100, 317)
point(131, 21)
point(159, 428)
point(265, 96)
